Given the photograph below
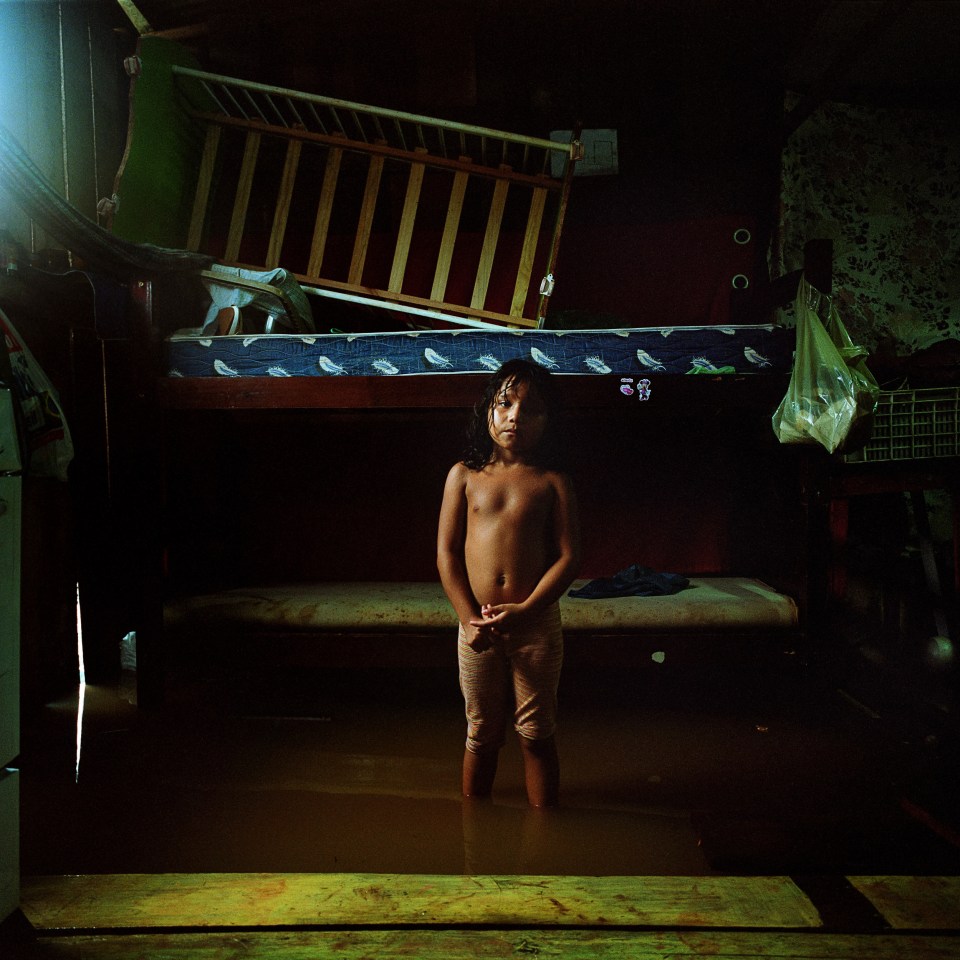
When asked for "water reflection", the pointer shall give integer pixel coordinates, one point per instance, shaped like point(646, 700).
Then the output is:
point(499, 839)
point(81, 696)
point(370, 784)
point(81, 699)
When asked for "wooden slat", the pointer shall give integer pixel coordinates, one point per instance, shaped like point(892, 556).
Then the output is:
point(493, 945)
point(381, 149)
point(579, 394)
point(242, 198)
point(407, 219)
point(538, 201)
point(914, 903)
point(543, 301)
point(204, 179)
point(490, 237)
point(270, 899)
point(321, 227)
point(365, 223)
point(439, 305)
point(458, 391)
point(284, 198)
point(448, 240)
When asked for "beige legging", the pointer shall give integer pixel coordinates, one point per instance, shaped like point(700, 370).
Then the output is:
point(517, 676)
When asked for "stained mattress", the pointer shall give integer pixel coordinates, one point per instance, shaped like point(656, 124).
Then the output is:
point(709, 603)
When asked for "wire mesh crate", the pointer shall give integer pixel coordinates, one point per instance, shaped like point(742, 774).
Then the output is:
point(914, 425)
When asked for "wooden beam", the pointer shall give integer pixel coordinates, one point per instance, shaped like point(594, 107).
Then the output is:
point(728, 393)
point(914, 903)
point(447, 307)
point(381, 149)
point(115, 901)
point(543, 302)
point(493, 945)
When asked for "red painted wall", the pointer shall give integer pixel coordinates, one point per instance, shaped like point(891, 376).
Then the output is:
point(307, 496)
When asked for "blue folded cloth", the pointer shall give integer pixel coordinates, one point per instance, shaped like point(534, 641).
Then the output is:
point(633, 581)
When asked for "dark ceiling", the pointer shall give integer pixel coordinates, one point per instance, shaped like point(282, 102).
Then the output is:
point(885, 51)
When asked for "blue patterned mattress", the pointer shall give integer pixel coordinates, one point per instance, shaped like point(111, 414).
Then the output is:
point(628, 352)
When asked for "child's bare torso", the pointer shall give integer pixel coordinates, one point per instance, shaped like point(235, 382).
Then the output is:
point(509, 541)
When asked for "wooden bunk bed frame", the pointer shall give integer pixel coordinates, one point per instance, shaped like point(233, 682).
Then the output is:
point(396, 161)
point(358, 399)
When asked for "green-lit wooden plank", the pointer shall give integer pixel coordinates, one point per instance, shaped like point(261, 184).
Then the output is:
point(914, 903)
point(497, 945)
point(346, 899)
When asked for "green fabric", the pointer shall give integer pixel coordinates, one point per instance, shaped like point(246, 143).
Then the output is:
point(158, 177)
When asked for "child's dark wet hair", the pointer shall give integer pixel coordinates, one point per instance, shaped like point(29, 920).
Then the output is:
point(479, 442)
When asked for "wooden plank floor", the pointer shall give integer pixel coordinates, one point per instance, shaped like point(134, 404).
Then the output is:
point(914, 903)
point(114, 901)
point(391, 916)
point(493, 945)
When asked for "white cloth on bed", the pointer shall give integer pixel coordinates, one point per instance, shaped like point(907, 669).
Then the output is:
point(231, 294)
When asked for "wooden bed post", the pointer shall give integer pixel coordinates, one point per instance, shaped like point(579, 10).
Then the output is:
point(546, 289)
point(815, 478)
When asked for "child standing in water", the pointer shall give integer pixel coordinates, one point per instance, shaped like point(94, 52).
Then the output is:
point(508, 547)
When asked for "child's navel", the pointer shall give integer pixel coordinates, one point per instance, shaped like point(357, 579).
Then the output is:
point(502, 579)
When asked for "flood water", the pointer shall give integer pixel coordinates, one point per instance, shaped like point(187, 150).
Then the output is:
point(358, 771)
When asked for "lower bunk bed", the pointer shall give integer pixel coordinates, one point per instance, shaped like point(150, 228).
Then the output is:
point(322, 561)
point(643, 406)
point(674, 460)
point(410, 624)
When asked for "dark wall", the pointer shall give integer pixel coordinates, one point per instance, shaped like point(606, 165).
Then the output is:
point(287, 496)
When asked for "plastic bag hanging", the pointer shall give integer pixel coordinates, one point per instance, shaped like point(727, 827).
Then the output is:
point(831, 396)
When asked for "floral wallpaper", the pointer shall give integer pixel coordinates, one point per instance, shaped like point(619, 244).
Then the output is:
point(884, 185)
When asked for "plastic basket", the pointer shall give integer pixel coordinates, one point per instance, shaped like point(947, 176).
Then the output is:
point(914, 425)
